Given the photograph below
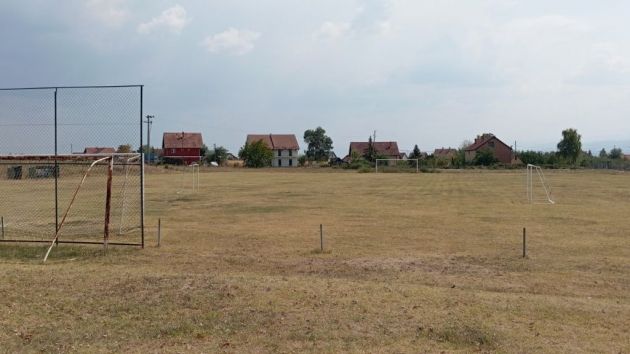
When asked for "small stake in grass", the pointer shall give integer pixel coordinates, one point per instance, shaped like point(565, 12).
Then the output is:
point(524, 242)
point(2, 222)
point(321, 237)
point(159, 231)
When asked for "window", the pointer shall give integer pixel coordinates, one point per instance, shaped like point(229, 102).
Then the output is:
point(279, 152)
point(290, 152)
point(172, 151)
point(491, 144)
point(279, 163)
point(290, 162)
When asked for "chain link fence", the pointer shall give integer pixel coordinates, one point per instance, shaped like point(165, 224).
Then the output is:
point(70, 165)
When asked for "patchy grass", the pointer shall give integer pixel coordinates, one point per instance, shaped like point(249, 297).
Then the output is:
point(412, 263)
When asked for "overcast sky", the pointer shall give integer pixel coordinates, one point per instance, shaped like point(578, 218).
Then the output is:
point(431, 73)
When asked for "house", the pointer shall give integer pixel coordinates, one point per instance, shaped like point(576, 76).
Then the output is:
point(183, 147)
point(99, 150)
point(445, 153)
point(285, 148)
point(403, 156)
point(384, 149)
point(626, 157)
point(501, 151)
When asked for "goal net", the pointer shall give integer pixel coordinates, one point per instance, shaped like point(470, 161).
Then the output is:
point(397, 165)
point(78, 198)
point(537, 187)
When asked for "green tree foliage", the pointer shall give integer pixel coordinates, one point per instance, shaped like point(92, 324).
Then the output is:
point(370, 154)
point(603, 154)
point(570, 146)
point(218, 155)
point(485, 157)
point(415, 154)
point(124, 149)
point(319, 144)
point(615, 154)
point(256, 154)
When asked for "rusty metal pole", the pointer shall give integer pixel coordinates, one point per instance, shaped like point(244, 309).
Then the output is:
point(108, 201)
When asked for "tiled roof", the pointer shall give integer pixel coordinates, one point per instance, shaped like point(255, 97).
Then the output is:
point(482, 140)
point(182, 140)
point(275, 141)
point(444, 152)
point(386, 148)
point(99, 150)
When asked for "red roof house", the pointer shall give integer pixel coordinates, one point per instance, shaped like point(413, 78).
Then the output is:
point(386, 149)
point(285, 148)
point(501, 151)
point(182, 146)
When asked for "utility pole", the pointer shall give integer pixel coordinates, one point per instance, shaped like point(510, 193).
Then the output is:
point(149, 123)
point(374, 139)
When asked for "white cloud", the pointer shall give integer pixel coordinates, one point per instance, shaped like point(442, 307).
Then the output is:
point(332, 30)
point(110, 12)
point(231, 41)
point(173, 19)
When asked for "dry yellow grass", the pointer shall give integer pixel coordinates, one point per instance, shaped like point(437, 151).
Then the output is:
point(413, 263)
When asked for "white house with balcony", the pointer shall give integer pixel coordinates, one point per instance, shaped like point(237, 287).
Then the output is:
point(284, 146)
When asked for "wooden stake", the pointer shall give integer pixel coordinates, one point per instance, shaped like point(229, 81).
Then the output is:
point(2, 222)
point(159, 231)
point(321, 237)
point(524, 242)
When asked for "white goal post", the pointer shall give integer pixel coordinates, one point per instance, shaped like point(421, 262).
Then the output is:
point(535, 180)
point(386, 162)
point(195, 177)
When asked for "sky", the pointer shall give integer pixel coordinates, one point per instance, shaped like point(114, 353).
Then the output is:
point(432, 73)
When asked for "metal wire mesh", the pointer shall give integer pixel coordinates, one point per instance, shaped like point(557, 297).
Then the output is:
point(49, 138)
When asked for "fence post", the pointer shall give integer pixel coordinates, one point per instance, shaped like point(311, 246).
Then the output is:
point(2, 222)
point(524, 242)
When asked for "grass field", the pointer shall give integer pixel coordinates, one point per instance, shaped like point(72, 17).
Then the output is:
point(412, 263)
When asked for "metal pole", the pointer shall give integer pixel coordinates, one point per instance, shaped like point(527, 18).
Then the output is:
point(2, 222)
point(321, 237)
point(524, 242)
point(108, 201)
point(141, 169)
point(56, 175)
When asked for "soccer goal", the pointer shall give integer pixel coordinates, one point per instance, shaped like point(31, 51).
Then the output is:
point(537, 187)
point(195, 177)
point(78, 198)
point(189, 178)
point(397, 165)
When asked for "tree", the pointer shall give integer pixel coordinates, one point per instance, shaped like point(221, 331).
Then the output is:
point(616, 153)
point(319, 144)
point(370, 154)
point(571, 145)
point(485, 157)
point(415, 154)
point(124, 149)
point(219, 155)
point(603, 154)
point(256, 154)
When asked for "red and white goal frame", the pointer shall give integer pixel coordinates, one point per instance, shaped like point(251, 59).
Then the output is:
point(64, 198)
